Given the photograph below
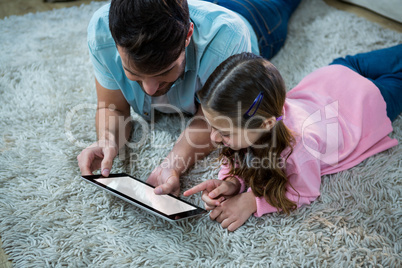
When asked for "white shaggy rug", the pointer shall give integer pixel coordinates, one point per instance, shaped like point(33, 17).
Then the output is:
point(49, 217)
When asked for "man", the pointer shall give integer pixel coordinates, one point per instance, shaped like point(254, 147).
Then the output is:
point(162, 52)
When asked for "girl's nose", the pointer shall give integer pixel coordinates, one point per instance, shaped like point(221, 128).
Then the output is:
point(216, 136)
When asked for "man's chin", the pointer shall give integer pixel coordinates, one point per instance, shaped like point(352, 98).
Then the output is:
point(160, 92)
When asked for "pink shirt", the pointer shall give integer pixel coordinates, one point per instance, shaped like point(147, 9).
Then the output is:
point(338, 118)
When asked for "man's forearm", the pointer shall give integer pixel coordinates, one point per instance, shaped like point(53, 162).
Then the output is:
point(112, 126)
point(193, 145)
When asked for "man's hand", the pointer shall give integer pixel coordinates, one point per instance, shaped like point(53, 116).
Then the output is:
point(166, 181)
point(99, 155)
point(234, 212)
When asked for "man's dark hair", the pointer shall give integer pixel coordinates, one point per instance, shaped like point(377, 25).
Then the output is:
point(152, 32)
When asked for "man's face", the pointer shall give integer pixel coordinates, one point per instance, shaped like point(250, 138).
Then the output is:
point(154, 84)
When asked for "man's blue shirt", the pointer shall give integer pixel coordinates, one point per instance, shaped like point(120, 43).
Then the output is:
point(218, 34)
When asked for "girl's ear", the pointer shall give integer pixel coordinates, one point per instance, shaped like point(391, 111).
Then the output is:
point(269, 123)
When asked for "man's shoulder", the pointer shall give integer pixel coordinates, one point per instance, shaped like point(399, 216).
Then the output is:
point(98, 33)
point(217, 30)
point(204, 12)
point(218, 34)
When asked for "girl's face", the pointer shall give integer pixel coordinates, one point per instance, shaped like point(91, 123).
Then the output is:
point(225, 132)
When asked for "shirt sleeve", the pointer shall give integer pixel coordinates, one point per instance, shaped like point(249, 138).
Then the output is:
point(224, 173)
point(102, 49)
point(101, 71)
point(306, 181)
point(227, 42)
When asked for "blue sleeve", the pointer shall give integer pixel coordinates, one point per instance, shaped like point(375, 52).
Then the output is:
point(102, 72)
point(102, 49)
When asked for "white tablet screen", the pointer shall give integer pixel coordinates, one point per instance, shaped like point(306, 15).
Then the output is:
point(145, 194)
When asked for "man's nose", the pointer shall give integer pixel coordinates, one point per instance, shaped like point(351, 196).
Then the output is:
point(150, 86)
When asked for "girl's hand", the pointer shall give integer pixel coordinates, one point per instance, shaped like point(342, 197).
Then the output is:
point(235, 211)
point(211, 203)
point(215, 191)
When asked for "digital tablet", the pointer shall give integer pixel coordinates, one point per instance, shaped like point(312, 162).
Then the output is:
point(142, 194)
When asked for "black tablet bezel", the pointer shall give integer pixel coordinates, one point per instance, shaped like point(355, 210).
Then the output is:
point(173, 217)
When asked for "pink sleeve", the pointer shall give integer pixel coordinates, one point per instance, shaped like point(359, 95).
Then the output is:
point(223, 174)
point(307, 186)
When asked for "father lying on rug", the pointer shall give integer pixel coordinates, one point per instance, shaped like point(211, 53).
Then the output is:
point(280, 144)
point(150, 54)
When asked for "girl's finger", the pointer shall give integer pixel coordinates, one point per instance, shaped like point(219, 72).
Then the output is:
point(227, 222)
point(220, 190)
point(208, 208)
point(209, 201)
point(215, 214)
point(196, 189)
point(234, 225)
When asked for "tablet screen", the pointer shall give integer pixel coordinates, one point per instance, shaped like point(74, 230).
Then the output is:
point(145, 194)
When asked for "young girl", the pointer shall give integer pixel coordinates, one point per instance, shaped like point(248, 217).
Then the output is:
point(278, 145)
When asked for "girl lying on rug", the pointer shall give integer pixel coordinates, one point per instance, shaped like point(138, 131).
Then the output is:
point(279, 145)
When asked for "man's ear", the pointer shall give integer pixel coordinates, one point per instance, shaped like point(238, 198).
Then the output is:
point(269, 123)
point(190, 33)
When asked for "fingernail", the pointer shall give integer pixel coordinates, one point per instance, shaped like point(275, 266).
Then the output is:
point(105, 172)
point(212, 195)
point(158, 190)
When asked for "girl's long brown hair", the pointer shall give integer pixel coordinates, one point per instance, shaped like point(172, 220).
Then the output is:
point(239, 80)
